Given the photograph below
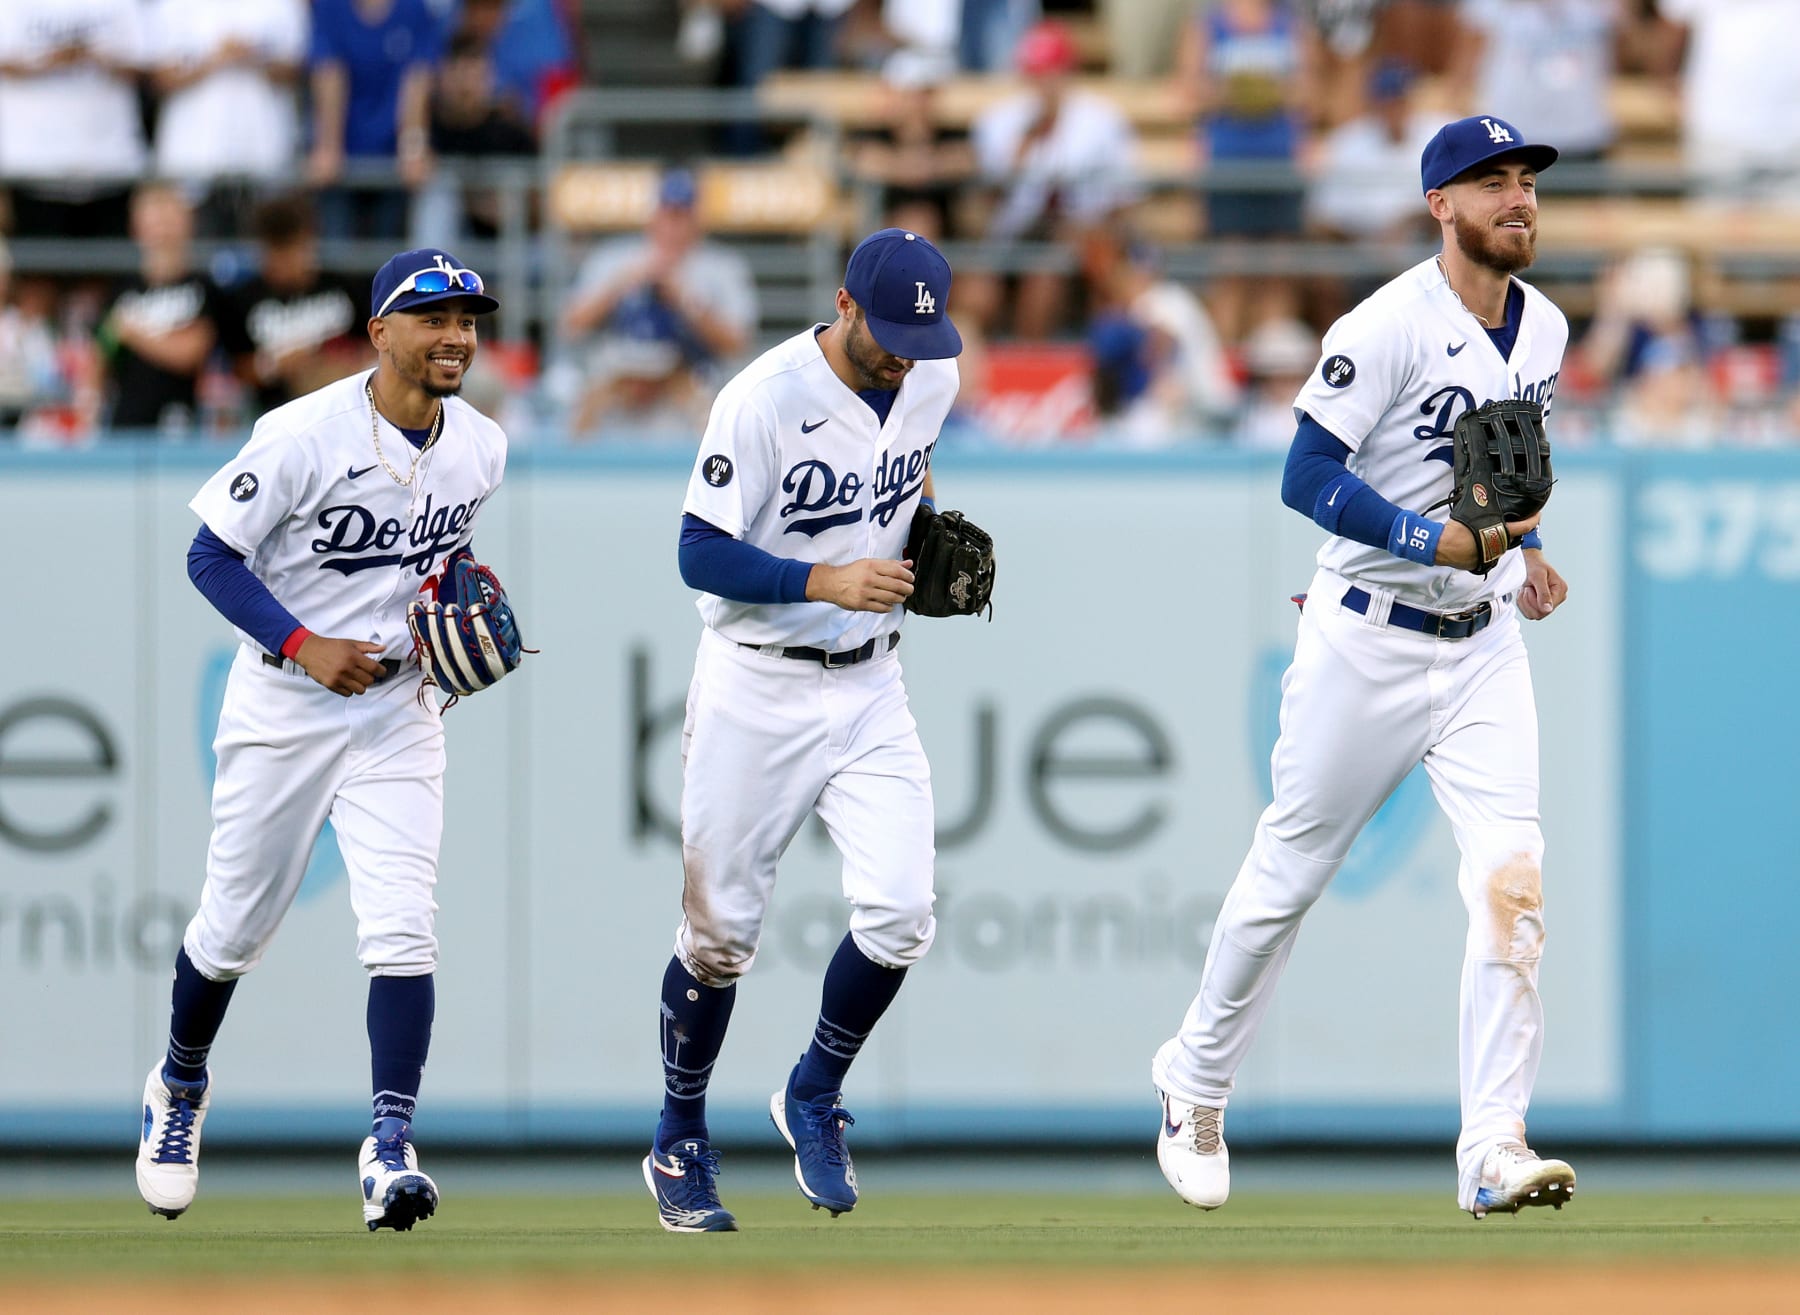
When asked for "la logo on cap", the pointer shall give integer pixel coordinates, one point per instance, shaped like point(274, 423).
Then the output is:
point(926, 304)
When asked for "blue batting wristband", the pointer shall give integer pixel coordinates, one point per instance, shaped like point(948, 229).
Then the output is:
point(1532, 539)
point(1415, 538)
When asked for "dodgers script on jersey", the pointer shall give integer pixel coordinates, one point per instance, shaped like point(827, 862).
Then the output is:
point(829, 482)
point(1395, 375)
point(322, 523)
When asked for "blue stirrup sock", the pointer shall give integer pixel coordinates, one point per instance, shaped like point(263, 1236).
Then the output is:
point(197, 1007)
point(400, 1014)
point(857, 993)
point(693, 1020)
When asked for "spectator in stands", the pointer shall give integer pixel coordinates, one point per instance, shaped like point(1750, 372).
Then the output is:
point(667, 313)
point(1365, 183)
point(778, 34)
point(371, 68)
point(227, 75)
point(1278, 358)
point(30, 371)
point(468, 122)
point(1246, 66)
point(1344, 44)
point(531, 49)
point(1160, 375)
point(70, 127)
point(162, 322)
point(917, 164)
point(1545, 65)
point(1142, 35)
point(1740, 100)
point(1647, 345)
point(293, 327)
point(1061, 160)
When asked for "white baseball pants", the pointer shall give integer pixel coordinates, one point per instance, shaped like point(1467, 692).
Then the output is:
point(1361, 705)
point(769, 739)
point(291, 754)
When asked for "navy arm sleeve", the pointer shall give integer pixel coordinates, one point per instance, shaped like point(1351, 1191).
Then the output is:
point(218, 571)
point(1316, 483)
point(715, 563)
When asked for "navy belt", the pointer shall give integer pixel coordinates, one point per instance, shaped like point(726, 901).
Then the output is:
point(390, 667)
point(1439, 625)
point(848, 658)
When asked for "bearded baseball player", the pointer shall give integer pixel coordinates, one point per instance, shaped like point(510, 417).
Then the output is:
point(1409, 651)
point(807, 480)
point(332, 525)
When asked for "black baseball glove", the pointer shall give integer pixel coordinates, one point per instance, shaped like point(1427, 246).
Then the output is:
point(953, 565)
point(1501, 473)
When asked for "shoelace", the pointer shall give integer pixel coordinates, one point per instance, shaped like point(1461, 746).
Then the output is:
point(176, 1144)
point(831, 1121)
point(391, 1151)
point(1208, 1128)
point(697, 1174)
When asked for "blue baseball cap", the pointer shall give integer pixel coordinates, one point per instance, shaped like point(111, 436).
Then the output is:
point(902, 283)
point(418, 278)
point(1460, 146)
point(678, 188)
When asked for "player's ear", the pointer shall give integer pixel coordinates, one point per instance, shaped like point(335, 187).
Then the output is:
point(1439, 204)
point(378, 333)
point(846, 305)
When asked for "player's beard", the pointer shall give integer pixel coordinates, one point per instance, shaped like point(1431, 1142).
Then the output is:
point(417, 370)
point(874, 367)
point(1499, 249)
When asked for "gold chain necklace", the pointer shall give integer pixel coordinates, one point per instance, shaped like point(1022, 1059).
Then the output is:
point(1458, 295)
point(437, 423)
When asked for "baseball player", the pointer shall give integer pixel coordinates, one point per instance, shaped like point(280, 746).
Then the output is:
point(812, 465)
point(1406, 655)
point(340, 510)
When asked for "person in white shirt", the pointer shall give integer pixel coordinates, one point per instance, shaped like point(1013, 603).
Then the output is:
point(1061, 160)
point(226, 73)
point(70, 131)
point(1740, 102)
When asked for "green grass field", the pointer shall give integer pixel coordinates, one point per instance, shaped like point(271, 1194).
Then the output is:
point(488, 1235)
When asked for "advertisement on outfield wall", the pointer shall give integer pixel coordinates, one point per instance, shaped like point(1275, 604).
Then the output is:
point(1099, 755)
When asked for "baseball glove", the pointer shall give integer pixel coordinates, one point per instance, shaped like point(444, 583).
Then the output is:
point(1500, 473)
point(466, 637)
point(953, 565)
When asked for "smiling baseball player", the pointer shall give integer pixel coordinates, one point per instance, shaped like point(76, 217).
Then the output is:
point(804, 488)
point(1409, 651)
point(340, 511)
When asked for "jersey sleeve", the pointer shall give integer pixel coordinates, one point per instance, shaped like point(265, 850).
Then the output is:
point(734, 472)
point(1363, 367)
point(252, 494)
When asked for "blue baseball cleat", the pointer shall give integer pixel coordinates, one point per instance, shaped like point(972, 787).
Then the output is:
point(683, 1181)
point(815, 1129)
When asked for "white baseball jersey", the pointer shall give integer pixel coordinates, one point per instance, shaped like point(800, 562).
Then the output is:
point(797, 464)
point(1395, 375)
point(338, 541)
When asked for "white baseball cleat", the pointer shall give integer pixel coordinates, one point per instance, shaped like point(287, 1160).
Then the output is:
point(1514, 1176)
point(168, 1158)
point(1191, 1151)
point(395, 1194)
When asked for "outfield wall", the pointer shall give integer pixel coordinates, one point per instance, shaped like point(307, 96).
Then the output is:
point(1100, 753)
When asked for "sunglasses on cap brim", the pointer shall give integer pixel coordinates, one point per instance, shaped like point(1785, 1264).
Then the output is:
point(434, 280)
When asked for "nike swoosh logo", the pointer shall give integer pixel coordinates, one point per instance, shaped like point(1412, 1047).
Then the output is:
point(1452, 351)
point(1170, 1127)
point(1332, 500)
point(807, 429)
point(358, 474)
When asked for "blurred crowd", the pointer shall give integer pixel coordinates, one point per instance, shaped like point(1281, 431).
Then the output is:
point(274, 135)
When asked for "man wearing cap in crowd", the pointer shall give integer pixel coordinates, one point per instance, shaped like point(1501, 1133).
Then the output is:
point(794, 533)
point(345, 506)
point(1409, 653)
point(668, 311)
point(1059, 160)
